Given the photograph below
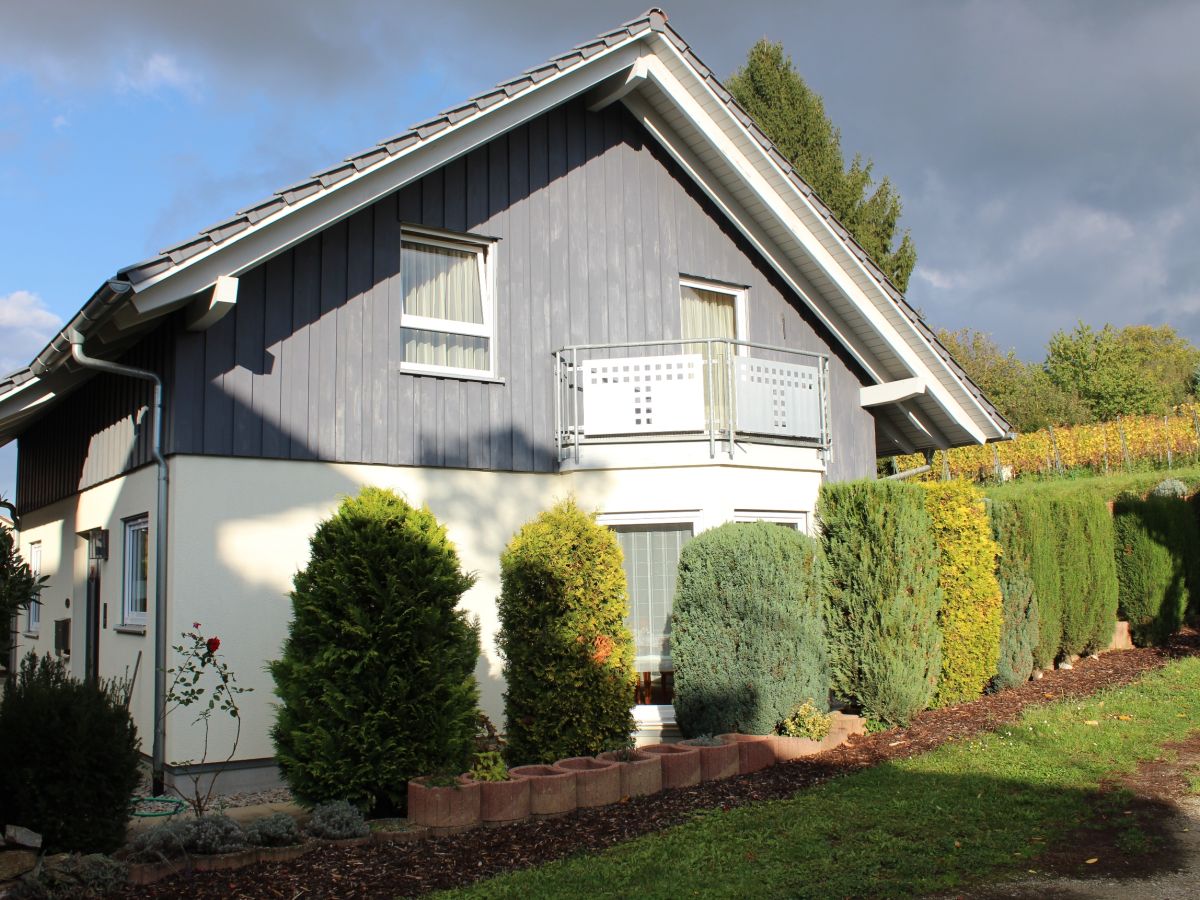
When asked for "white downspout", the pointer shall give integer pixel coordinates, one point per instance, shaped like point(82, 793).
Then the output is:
point(160, 550)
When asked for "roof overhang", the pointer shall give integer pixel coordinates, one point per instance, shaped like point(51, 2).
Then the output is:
point(646, 66)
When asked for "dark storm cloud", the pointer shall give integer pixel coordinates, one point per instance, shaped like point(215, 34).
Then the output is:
point(1048, 154)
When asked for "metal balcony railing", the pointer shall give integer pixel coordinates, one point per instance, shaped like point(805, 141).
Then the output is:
point(713, 389)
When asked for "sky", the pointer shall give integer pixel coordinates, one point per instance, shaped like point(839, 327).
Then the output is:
point(1047, 154)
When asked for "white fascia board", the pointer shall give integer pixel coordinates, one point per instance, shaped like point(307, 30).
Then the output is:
point(840, 272)
point(24, 401)
point(890, 392)
point(291, 225)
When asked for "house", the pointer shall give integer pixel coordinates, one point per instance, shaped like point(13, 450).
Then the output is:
point(598, 278)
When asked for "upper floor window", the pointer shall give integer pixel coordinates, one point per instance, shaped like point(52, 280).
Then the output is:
point(137, 570)
point(449, 304)
point(33, 621)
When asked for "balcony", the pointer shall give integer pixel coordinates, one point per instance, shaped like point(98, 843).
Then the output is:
point(716, 390)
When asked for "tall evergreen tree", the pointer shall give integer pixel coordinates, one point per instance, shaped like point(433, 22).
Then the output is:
point(793, 116)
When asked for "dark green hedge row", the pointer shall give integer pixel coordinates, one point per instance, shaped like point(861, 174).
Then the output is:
point(1157, 541)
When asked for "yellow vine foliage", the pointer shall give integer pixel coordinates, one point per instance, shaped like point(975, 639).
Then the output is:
point(1098, 447)
point(972, 607)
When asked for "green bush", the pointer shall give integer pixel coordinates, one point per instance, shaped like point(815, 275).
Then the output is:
point(68, 759)
point(337, 821)
point(376, 681)
point(747, 631)
point(883, 601)
point(71, 877)
point(806, 721)
point(1089, 574)
point(1066, 539)
point(1157, 541)
point(568, 655)
point(1020, 623)
point(971, 613)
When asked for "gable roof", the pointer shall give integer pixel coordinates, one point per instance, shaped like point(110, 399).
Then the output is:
point(647, 66)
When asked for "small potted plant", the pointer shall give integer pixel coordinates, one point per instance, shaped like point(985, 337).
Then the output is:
point(680, 764)
point(444, 803)
point(754, 751)
point(551, 790)
point(503, 797)
point(641, 773)
point(802, 733)
point(597, 781)
point(718, 758)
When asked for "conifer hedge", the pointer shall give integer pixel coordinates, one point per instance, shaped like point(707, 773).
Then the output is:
point(1020, 620)
point(970, 615)
point(1157, 542)
point(883, 600)
point(376, 682)
point(568, 655)
point(747, 629)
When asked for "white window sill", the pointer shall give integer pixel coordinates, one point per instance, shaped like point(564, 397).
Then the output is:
point(32, 634)
point(456, 374)
point(654, 714)
point(130, 629)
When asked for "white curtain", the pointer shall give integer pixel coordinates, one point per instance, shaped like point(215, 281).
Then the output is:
point(436, 348)
point(443, 283)
point(711, 314)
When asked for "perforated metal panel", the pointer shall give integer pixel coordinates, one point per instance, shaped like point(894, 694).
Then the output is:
point(643, 395)
point(777, 398)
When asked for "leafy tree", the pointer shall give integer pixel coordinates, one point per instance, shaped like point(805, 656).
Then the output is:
point(1136, 370)
point(376, 682)
point(793, 116)
point(1023, 392)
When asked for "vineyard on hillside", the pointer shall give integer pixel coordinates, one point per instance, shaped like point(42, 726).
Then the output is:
point(1130, 442)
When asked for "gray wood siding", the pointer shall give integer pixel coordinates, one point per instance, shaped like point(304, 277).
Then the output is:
point(102, 429)
point(595, 222)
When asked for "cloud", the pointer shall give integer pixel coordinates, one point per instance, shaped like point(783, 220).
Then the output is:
point(26, 326)
point(159, 70)
point(59, 122)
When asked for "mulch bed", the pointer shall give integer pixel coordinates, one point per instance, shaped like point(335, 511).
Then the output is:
point(388, 871)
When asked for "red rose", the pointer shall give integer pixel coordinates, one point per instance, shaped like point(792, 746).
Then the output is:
point(212, 644)
point(195, 624)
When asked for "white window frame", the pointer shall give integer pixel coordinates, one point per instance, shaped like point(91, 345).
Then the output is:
point(33, 614)
point(485, 252)
point(131, 616)
point(797, 519)
point(741, 320)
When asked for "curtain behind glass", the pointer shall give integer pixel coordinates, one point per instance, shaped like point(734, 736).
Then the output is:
point(711, 314)
point(441, 283)
point(436, 348)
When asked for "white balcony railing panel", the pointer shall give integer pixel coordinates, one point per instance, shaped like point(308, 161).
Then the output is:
point(777, 398)
point(643, 395)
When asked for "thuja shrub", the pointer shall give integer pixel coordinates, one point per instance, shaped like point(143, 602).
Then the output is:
point(568, 655)
point(376, 683)
point(747, 629)
point(970, 615)
point(882, 597)
point(1157, 541)
point(1089, 575)
point(68, 759)
point(1020, 623)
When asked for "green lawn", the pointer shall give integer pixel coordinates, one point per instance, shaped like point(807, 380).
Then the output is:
point(970, 810)
point(1106, 487)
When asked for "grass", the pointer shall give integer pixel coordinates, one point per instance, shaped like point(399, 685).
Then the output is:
point(1106, 487)
point(976, 809)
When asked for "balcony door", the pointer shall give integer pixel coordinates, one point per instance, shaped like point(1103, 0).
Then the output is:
point(710, 311)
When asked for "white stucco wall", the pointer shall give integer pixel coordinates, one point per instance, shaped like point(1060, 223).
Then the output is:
point(240, 530)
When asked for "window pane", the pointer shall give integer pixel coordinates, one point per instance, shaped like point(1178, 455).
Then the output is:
point(441, 283)
point(651, 565)
point(35, 567)
point(137, 568)
point(436, 348)
point(711, 314)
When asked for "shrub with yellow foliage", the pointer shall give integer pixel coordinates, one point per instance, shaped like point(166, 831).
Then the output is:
point(970, 616)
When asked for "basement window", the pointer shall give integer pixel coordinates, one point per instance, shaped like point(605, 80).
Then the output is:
point(447, 321)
